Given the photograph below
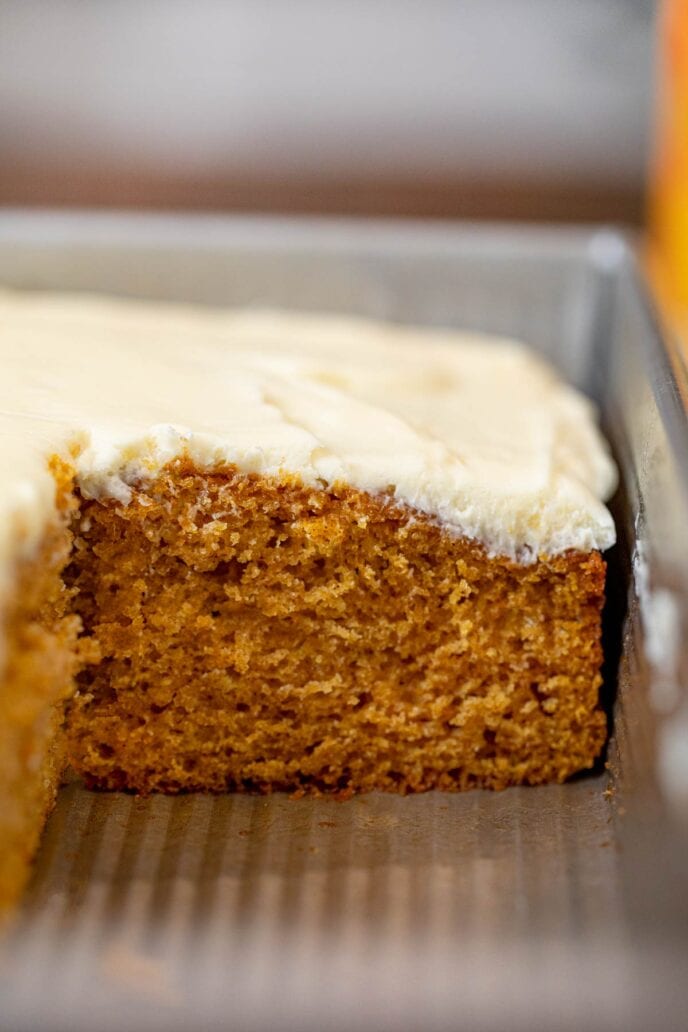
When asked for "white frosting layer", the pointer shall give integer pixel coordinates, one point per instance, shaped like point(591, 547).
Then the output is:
point(475, 432)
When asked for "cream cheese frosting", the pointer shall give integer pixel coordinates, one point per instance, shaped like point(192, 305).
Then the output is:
point(476, 432)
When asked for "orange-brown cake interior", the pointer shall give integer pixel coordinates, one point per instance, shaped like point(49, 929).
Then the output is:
point(39, 641)
point(253, 633)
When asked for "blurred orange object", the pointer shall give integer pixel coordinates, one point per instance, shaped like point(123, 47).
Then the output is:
point(669, 181)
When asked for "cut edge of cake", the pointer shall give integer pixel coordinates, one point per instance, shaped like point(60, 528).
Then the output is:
point(39, 665)
point(254, 633)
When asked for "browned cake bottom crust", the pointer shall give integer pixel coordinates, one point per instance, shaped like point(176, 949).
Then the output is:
point(39, 641)
point(251, 633)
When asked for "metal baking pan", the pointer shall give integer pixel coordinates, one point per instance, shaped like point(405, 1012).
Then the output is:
point(562, 907)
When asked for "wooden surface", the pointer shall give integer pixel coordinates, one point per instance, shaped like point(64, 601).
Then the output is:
point(47, 185)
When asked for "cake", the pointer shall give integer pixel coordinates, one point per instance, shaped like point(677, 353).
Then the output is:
point(245, 550)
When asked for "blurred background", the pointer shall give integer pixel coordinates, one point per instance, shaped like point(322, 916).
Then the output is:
point(524, 109)
point(536, 110)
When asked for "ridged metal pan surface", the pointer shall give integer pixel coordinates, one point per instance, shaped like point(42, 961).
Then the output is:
point(561, 907)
